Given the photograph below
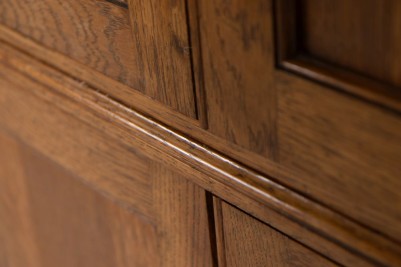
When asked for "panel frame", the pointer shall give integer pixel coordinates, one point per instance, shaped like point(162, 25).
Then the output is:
point(43, 92)
point(291, 58)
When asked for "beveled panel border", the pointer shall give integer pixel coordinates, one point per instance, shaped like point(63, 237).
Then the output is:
point(291, 57)
point(63, 102)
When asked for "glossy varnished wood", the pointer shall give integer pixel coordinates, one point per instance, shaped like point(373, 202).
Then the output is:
point(305, 220)
point(307, 146)
point(99, 34)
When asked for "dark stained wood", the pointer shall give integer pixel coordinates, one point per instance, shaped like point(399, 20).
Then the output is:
point(99, 34)
point(249, 242)
point(69, 110)
point(238, 65)
point(49, 218)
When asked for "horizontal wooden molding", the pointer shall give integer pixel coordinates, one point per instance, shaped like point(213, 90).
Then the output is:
point(312, 224)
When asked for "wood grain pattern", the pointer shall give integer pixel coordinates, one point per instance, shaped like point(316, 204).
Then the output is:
point(95, 33)
point(49, 218)
point(138, 102)
point(342, 152)
point(322, 166)
point(238, 66)
point(122, 3)
point(118, 171)
point(367, 38)
point(98, 34)
point(182, 220)
point(68, 110)
point(161, 44)
point(249, 242)
point(357, 54)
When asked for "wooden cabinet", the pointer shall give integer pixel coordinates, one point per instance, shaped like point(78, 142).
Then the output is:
point(200, 133)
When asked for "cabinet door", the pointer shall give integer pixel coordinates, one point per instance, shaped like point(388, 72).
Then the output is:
point(74, 196)
point(245, 241)
point(312, 89)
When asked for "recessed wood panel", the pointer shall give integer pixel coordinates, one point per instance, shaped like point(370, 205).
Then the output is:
point(49, 218)
point(354, 46)
point(149, 54)
point(363, 36)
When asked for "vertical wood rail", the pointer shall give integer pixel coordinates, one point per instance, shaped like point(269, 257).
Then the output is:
point(194, 40)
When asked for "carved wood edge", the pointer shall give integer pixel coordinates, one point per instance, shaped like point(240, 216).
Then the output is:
point(291, 58)
point(143, 104)
point(253, 192)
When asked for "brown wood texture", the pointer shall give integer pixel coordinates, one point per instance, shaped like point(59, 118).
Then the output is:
point(238, 65)
point(182, 220)
point(249, 242)
point(314, 163)
point(161, 45)
point(363, 36)
point(49, 218)
point(122, 3)
point(341, 152)
point(334, 148)
point(352, 46)
point(69, 110)
point(145, 56)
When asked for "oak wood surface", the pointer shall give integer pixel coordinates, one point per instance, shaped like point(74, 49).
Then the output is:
point(68, 109)
point(249, 242)
point(351, 46)
point(161, 45)
point(238, 72)
point(49, 218)
point(345, 152)
point(95, 33)
point(182, 220)
point(362, 36)
point(315, 163)
point(99, 34)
